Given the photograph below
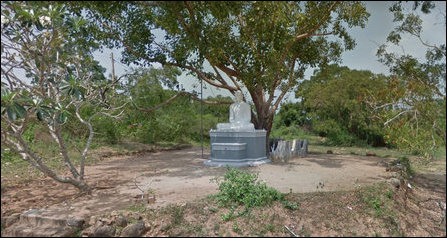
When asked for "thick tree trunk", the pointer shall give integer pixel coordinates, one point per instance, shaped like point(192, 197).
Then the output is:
point(262, 119)
point(266, 123)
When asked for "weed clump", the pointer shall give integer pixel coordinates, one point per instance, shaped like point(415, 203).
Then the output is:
point(239, 187)
point(242, 188)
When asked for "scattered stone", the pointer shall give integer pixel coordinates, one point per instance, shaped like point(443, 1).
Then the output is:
point(121, 221)
point(104, 231)
point(114, 213)
point(75, 222)
point(134, 230)
point(86, 233)
point(137, 217)
point(329, 152)
point(127, 213)
point(107, 221)
point(92, 221)
point(370, 154)
point(395, 182)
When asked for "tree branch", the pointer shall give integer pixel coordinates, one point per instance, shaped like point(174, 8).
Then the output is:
point(170, 100)
point(308, 33)
point(402, 112)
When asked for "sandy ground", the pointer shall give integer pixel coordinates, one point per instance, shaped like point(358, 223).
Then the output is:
point(178, 176)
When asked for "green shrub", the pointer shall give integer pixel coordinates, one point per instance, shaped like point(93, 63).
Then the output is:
point(289, 133)
point(106, 129)
point(243, 188)
point(326, 127)
point(343, 138)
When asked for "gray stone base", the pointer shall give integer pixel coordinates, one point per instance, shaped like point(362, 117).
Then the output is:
point(236, 163)
point(237, 148)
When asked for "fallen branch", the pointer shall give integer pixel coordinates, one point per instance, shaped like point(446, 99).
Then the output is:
point(291, 232)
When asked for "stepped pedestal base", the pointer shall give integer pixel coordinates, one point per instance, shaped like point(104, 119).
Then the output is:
point(237, 149)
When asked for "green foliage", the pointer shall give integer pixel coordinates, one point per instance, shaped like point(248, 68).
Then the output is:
point(242, 188)
point(289, 205)
point(291, 114)
point(139, 207)
point(379, 199)
point(48, 44)
point(264, 46)
point(416, 116)
point(375, 203)
point(178, 121)
point(8, 156)
point(334, 102)
point(239, 187)
point(289, 133)
point(106, 129)
point(389, 194)
point(236, 228)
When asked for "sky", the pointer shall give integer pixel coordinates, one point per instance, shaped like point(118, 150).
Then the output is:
point(362, 57)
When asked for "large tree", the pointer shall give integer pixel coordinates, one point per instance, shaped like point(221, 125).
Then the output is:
point(334, 99)
point(413, 108)
point(262, 46)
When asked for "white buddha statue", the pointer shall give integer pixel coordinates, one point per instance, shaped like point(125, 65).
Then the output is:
point(240, 116)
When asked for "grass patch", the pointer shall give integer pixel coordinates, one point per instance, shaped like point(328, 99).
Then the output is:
point(139, 207)
point(241, 188)
point(379, 200)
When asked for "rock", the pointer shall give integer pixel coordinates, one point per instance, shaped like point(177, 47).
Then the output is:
point(107, 221)
point(395, 182)
point(104, 231)
point(329, 152)
point(137, 217)
point(92, 221)
point(75, 223)
point(127, 213)
point(9, 220)
point(121, 221)
point(370, 154)
point(114, 213)
point(134, 230)
point(86, 233)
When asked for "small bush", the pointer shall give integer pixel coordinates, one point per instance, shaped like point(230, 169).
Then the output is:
point(243, 188)
point(106, 128)
point(343, 138)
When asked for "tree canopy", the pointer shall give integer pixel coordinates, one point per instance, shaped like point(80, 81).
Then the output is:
point(334, 101)
point(262, 46)
point(416, 89)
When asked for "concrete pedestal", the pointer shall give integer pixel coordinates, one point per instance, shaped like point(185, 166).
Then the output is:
point(237, 148)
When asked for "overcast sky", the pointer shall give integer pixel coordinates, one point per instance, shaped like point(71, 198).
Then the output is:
point(362, 57)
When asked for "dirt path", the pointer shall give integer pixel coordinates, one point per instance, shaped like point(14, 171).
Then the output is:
point(178, 176)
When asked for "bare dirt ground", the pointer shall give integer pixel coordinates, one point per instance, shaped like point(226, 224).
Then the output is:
point(178, 176)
